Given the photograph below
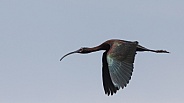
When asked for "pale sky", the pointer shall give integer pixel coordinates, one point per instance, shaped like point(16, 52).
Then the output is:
point(35, 34)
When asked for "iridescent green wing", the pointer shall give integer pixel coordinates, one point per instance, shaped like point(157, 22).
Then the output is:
point(120, 59)
point(109, 87)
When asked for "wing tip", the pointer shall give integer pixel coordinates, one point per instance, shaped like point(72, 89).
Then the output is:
point(111, 92)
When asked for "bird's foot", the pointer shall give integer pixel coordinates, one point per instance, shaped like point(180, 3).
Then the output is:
point(161, 51)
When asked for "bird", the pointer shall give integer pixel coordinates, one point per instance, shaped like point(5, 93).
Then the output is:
point(117, 62)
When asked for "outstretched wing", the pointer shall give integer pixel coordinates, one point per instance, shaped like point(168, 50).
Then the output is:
point(109, 87)
point(118, 66)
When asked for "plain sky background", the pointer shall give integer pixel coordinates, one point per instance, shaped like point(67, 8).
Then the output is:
point(35, 34)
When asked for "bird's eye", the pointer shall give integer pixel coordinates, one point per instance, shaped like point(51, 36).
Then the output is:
point(81, 49)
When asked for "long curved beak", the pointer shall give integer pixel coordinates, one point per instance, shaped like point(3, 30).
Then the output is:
point(69, 54)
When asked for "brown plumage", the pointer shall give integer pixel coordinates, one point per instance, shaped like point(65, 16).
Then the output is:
point(117, 61)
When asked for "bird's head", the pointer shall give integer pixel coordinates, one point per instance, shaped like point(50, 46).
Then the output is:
point(82, 50)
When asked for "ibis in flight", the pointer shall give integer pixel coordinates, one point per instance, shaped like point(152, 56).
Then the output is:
point(117, 62)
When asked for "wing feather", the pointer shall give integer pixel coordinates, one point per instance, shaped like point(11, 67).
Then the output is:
point(109, 87)
point(117, 78)
point(120, 59)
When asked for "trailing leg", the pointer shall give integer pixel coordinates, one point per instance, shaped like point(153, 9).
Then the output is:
point(141, 48)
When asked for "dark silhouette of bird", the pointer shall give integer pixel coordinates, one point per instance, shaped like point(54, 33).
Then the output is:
point(117, 61)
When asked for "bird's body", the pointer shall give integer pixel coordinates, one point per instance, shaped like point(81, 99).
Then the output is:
point(117, 61)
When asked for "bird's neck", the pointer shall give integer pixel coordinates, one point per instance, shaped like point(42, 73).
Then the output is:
point(98, 48)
